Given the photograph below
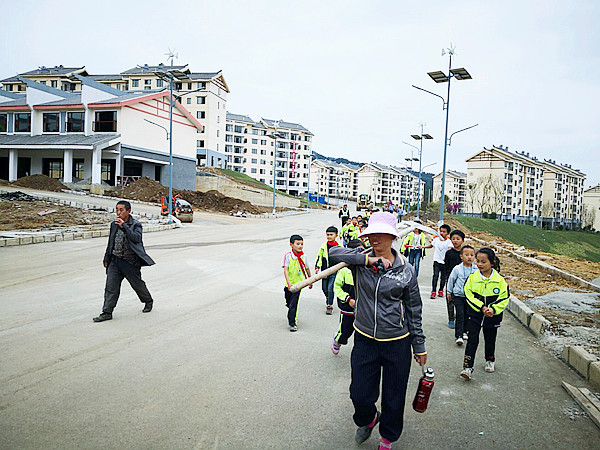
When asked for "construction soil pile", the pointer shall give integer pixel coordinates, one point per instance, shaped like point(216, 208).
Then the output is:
point(41, 182)
point(148, 190)
point(573, 311)
point(19, 211)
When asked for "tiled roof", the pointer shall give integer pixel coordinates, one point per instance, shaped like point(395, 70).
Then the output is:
point(203, 75)
point(42, 87)
point(17, 102)
point(127, 95)
point(284, 124)
point(9, 94)
point(98, 86)
point(148, 70)
point(116, 77)
point(239, 118)
point(6, 140)
point(75, 100)
point(57, 70)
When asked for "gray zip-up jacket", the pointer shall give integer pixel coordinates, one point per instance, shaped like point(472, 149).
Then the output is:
point(388, 305)
point(457, 279)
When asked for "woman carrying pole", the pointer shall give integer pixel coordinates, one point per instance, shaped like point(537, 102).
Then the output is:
point(387, 323)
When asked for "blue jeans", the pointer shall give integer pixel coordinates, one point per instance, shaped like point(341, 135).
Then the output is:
point(414, 258)
point(327, 286)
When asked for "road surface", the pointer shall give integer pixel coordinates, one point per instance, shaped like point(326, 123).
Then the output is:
point(214, 365)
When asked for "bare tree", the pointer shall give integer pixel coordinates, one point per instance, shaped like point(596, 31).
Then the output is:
point(548, 210)
point(588, 216)
point(490, 194)
point(471, 196)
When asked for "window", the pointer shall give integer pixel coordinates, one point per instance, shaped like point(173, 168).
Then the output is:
point(78, 169)
point(201, 100)
point(253, 170)
point(105, 121)
point(218, 119)
point(263, 152)
point(75, 122)
point(262, 161)
point(147, 88)
point(50, 122)
point(189, 86)
point(238, 129)
point(200, 114)
point(255, 141)
point(218, 133)
point(53, 83)
point(52, 167)
point(228, 127)
point(254, 161)
point(254, 131)
point(200, 143)
point(262, 171)
point(201, 85)
point(254, 151)
point(159, 83)
point(3, 123)
point(189, 100)
point(263, 142)
point(147, 82)
point(135, 83)
point(22, 122)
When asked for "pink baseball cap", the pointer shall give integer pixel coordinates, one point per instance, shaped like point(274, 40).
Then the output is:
point(381, 222)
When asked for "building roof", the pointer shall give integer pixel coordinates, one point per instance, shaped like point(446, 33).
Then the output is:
point(149, 70)
point(42, 87)
point(284, 124)
point(203, 75)
point(111, 77)
point(45, 71)
point(127, 95)
point(98, 86)
point(17, 103)
point(75, 100)
point(453, 173)
point(239, 118)
point(9, 140)
point(12, 95)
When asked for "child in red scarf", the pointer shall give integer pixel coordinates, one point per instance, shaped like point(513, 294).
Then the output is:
point(295, 269)
point(322, 263)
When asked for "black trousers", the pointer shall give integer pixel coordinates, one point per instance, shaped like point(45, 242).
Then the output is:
point(489, 336)
point(460, 303)
point(439, 271)
point(117, 270)
point(291, 301)
point(368, 358)
point(345, 329)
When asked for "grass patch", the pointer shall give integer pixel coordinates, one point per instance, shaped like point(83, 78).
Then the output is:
point(576, 244)
point(243, 178)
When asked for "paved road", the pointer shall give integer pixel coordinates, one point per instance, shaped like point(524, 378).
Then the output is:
point(214, 366)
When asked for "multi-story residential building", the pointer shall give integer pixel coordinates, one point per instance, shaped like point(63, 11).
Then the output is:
point(320, 171)
point(591, 202)
point(381, 183)
point(98, 135)
point(250, 148)
point(203, 94)
point(512, 185)
point(455, 188)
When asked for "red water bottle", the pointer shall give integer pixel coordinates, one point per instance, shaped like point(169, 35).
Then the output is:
point(423, 390)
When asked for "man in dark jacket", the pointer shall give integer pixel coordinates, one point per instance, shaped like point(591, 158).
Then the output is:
point(124, 257)
point(344, 214)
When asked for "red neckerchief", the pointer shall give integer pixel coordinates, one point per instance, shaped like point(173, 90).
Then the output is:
point(301, 262)
point(332, 243)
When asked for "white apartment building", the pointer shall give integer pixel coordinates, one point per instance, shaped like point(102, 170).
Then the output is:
point(96, 136)
point(204, 94)
point(253, 147)
point(455, 188)
point(591, 201)
point(515, 186)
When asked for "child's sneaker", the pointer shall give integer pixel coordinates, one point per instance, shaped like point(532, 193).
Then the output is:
point(335, 347)
point(384, 445)
point(329, 310)
point(432, 294)
point(460, 341)
point(440, 293)
point(293, 328)
point(467, 373)
point(451, 324)
point(490, 366)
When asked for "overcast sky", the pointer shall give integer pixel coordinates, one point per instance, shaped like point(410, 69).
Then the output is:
point(344, 69)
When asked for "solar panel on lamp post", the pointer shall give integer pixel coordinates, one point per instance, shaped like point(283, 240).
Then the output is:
point(441, 77)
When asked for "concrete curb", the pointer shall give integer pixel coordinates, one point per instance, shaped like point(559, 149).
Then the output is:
point(73, 235)
point(586, 364)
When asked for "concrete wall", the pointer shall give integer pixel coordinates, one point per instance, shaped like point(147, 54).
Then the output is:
point(248, 193)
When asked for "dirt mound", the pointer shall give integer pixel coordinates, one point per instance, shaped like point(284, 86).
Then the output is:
point(147, 190)
point(41, 182)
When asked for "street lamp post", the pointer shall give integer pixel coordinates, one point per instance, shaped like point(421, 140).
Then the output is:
point(274, 136)
point(410, 161)
point(420, 138)
point(441, 77)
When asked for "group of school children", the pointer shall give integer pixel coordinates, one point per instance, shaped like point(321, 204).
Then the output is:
point(476, 294)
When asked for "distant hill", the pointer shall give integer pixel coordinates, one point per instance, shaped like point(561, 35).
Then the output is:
point(425, 176)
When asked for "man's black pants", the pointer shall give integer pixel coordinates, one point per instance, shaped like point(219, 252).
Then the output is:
point(439, 271)
point(489, 336)
point(117, 270)
point(291, 301)
point(368, 357)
